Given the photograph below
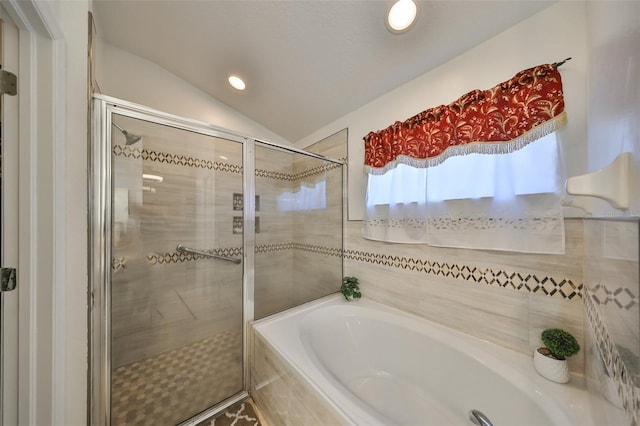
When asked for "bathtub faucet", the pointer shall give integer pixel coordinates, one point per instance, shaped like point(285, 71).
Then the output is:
point(478, 418)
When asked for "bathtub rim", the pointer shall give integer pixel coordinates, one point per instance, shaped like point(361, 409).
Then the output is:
point(570, 399)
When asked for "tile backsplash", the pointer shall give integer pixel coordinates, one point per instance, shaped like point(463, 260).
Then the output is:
point(612, 287)
point(592, 291)
point(503, 297)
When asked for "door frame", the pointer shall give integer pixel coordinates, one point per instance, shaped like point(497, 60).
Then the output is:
point(42, 325)
point(9, 300)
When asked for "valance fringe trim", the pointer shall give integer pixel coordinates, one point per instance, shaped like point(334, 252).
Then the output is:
point(478, 147)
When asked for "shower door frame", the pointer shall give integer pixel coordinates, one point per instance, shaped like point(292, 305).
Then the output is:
point(100, 249)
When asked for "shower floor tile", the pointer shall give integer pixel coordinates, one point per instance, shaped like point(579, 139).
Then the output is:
point(176, 385)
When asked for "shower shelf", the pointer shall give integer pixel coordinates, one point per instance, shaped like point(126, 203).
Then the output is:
point(610, 184)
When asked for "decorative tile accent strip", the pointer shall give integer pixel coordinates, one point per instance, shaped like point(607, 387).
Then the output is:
point(318, 170)
point(118, 263)
point(629, 394)
point(327, 251)
point(274, 175)
point(622, 297)
point(179, 160)
point(462, 223)
point(182, 160)
point(549, 286)
point(269, 248)
point(325, 167)
point(180, 257)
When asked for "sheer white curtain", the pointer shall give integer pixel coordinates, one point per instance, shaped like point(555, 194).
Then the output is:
point(506, 201)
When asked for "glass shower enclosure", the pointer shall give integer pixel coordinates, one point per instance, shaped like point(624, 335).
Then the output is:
point(195, 231)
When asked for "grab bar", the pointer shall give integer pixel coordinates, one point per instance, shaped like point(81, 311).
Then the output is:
point(478, 418)
point(184, 249)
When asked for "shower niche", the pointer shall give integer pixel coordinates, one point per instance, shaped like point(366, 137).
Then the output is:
point(168, 339)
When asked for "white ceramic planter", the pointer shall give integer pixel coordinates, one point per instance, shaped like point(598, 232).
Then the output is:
point(551, 369)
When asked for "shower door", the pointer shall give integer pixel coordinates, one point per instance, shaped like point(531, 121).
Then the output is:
point(175, 296)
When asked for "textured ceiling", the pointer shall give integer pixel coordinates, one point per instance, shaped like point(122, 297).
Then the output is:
point(306, 62)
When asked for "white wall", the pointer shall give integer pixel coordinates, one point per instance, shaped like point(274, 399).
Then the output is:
point(70, 408)
point(129, 77)
point(614, 91)
point(52, 290)
point(551, 35)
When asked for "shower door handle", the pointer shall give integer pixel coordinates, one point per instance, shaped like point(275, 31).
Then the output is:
point(184, 249)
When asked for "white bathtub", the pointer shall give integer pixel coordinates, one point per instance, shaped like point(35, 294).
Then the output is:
point(375, 365)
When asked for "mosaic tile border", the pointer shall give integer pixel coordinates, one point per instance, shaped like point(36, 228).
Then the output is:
point(270, 248)
point(118, 263)
point(183, 160)
point(549, 286)
point(181, 257)
point(622, 297)
point(325, 167)
point(628, 393)
point(311, 248)
point(272, 174)
point(179, 160)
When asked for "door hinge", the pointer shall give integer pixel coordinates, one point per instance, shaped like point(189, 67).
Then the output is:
point(8, 83)
point(8, 279)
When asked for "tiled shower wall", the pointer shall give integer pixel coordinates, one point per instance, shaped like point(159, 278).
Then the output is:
point(162, 299)
point(318, 233)
point(612, 318)
point(274, 251)
point(299, 241)
point(612, 322)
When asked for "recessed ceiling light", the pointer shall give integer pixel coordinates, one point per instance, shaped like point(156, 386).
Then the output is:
point(401, 16)
point(236, 82)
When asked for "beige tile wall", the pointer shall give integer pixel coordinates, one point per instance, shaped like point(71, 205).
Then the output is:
point(476, 291)
point(274, 263)
point(292, 263)
point(507, 298)
point(160, 299)
point(612, 316)
point(289, 271)
point(281, 394)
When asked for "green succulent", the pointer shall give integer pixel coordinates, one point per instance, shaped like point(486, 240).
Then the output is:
point(560, 343)
point(350, 288)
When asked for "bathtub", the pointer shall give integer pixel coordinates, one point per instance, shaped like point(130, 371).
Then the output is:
point(373, 365)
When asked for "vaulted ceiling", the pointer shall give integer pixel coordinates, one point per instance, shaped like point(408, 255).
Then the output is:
point(306, 62)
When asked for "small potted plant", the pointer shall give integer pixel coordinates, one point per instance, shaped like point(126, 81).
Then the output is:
point(550, 361)
point(350, 288)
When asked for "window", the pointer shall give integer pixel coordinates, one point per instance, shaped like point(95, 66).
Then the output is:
point(530, 170)
point(306, 197)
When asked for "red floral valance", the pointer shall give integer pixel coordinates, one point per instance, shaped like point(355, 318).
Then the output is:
point(499, 120)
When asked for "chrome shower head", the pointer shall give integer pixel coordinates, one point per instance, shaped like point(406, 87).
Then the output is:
point(130, 138)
